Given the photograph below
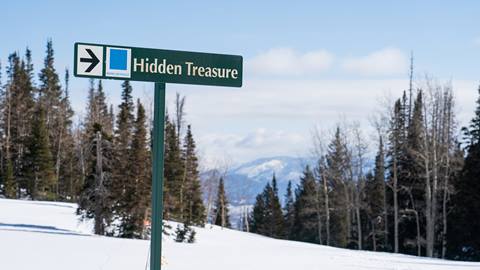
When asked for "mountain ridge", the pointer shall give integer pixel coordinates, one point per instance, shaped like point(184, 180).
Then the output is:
point(244, 181)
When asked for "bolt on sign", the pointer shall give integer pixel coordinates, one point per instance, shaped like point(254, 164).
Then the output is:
point(159, 66)
point(155, 65)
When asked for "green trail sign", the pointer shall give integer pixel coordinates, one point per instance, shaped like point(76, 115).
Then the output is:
point(154, 65)
point(159, 66)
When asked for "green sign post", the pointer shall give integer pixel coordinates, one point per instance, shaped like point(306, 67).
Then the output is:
point(159, 66)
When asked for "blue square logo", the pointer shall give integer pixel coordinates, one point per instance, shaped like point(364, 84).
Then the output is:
point(118, 59)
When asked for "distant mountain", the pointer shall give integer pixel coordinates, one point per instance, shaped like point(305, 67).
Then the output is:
point(244, 182)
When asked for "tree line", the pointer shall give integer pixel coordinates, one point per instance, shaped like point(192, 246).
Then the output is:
point(102, 161)
point(420, 197)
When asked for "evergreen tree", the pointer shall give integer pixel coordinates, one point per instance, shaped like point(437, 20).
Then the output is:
point(137, 193)
point(173, 172)
point(375, 197)
point(221, 207)
point(95, 200)
point(267, 216)
point(97, 157)
point(411, 178)
point(193, 203)
point(306, 220)
point(258, 220)
point(8, 181)
point(97, 110)
point(50, 92)
point(277, 223)
point(125, 118)
point(22, 109)
point(9, 184)
point(337, 162)
point(396, 161)
point(289, 211)
point(123, 185)
point(39, 161)
point(50, 97)
point(66, 161)
point(463, 237)
point(18, 105)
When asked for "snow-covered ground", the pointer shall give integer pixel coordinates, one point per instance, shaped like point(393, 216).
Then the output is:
point(46, 235)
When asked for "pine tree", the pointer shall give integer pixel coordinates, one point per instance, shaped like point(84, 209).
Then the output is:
point(463, 237)
point(97, 109)
point(95, 199)
point(306, 220)
point(267, 216)
point(261, 214)
point(173, 172)
point(40, 162)
point(50, 97)
point(23, 110)
point(66, 161)
point(194, 210)
point(96, 158)
point(125, 118)
point(137, 194)
point(396, 158)
point(375, 196)
point(221, 207)
point(411, 179)
point(277, 222)
point(339, 201)
point(17, 116)
point(289, 211)
point(9, 184)
point(123, 185)
point(50, 92)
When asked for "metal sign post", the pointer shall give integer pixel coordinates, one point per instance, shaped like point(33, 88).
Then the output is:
point(157, 180)
point(159, 66)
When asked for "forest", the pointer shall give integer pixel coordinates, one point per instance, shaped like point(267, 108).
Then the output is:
point(420, 197)
point(102, 162)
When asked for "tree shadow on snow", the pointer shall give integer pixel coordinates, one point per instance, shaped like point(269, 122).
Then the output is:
point(37, 229)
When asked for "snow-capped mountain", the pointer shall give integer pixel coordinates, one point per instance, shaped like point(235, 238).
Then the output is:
point(245, 181)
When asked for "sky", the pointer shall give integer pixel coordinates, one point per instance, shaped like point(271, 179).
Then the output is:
point(307, 64)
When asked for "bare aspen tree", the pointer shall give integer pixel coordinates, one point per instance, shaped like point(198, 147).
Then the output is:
point(179, 112)
point(179, 121)
point(394, 188)
point(360, 148)
point(437, 145)
point(219, 170)
point(210, 183)
point(448, 129)
point(319, 152)
point(100, 190)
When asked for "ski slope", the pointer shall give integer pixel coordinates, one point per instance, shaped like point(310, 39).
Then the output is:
point(48, 235)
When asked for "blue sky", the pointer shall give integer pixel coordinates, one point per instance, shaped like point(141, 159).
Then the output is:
point(307, 63)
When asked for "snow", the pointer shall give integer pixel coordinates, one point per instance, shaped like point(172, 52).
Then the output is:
point(43, 235)
point(271, 165)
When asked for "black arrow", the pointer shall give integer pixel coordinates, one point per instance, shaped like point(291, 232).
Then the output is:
point(93, 60)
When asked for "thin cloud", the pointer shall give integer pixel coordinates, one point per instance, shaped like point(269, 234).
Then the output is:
point(288, 62)
point(388, 61)
point(476, 41)
point(274, 117)
point(261, 142)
